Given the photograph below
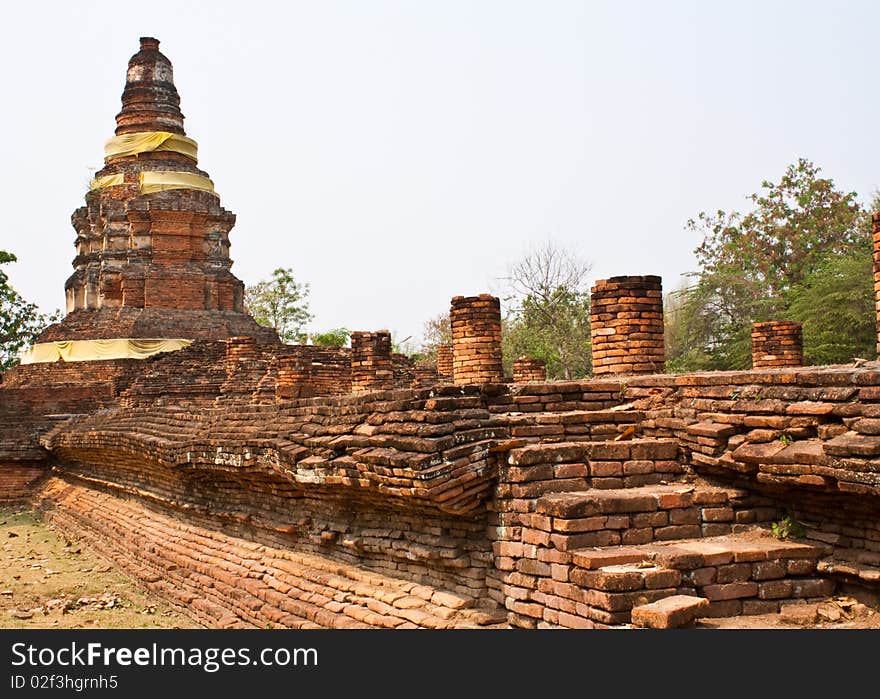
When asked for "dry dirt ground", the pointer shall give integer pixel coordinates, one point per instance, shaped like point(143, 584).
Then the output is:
point(48, 582)
point(826, 617)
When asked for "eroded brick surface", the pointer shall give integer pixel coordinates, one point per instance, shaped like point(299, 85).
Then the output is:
point(626, 325)
point(777, 344)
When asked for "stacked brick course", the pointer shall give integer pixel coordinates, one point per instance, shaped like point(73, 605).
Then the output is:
point(371, 367)
point(557, 397)
point(238, 350)
point(17, 479)
point(231, 582)
point(33, 397)
point(876, 266)
point(778, 343)
point(444, 361)
point(526, 369)
point(294, 378)
point(111, 323)
point(476, 339)
point(626, 325)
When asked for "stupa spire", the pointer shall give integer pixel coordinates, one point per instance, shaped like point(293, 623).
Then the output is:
point(152, 241)
point(150, 101)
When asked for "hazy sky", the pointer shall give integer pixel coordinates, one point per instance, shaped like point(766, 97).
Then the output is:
point(396, 154)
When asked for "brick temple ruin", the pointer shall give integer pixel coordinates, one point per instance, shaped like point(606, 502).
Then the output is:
point(252, 482)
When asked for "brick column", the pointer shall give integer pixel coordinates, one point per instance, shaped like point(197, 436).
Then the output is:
point(371, 367)
point(876, 228)
point(444, 361)
point(529, 369)
point(476, 340)
point(626, 325)
point(777, 343)
point(294, 378)
point(239, 349)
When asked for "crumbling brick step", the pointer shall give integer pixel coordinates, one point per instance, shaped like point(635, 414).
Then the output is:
point(573, 425)
point(649, 498)
point(669, 612)
point(738, 574)
point(579, 452)
point(636, 515)
point(865, 572)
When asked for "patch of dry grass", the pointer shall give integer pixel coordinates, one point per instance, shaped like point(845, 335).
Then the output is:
point(49, 582)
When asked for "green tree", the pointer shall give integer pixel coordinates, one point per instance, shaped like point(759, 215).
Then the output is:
point(836, 305)
point(20, 321)
point(549, 317)
point(338, 337)
point(280, 303)
point(754, 266)
point(435, 331)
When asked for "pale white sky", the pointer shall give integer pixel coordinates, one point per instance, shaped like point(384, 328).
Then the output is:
point(396, 154)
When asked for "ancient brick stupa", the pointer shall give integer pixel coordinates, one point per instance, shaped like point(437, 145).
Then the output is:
point(152, 242)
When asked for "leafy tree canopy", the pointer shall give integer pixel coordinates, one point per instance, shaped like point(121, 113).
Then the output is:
point(549, 311)
point(802, 253)
point(281, 303)
point(338, 337)
point(20, 321)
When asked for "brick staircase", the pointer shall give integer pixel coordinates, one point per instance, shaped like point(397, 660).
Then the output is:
point(597, 533)
point(575, 425)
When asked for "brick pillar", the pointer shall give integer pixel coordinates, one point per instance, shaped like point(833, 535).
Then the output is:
point(527, 369)
point(371, 367)
point(294, 378)
point(626, 325)
point(876, 221)
point(476, 340)
point(444, 360)
point(777, 343)
point(239, 349)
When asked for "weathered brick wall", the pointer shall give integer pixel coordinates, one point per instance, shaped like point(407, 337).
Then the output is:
point(444, 361)
point(393, 481)
point(152, 322)
point(626, 326)
point(115, 374)
point(232, 582)
point(331, 368)
point(200, 374)
point(294, 379)
point(221, 442)
point(18, 478)
point(371, 367)
point(556, 396)
point(778, 343)
point(876, 266)
point(403, 483)
point(805, 436)
point(476, 340)
point(35, 396)
point(527, 369)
